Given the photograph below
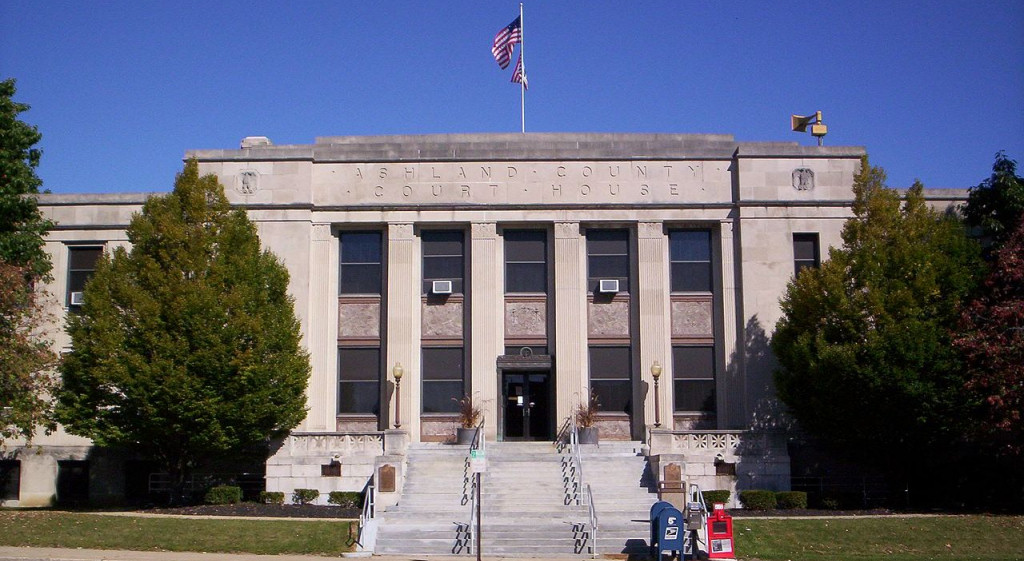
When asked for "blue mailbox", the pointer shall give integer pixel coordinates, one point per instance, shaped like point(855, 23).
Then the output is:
point(667, 529)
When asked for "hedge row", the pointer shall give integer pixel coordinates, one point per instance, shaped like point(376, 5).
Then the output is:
point(757, 499)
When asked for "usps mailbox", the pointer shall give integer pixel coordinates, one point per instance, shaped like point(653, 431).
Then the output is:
point(667, 530)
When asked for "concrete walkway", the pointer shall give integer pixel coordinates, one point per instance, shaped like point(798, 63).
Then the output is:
point(59, 554)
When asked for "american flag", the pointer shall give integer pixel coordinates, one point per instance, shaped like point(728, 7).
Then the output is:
point(518, 75)
point(505, 40)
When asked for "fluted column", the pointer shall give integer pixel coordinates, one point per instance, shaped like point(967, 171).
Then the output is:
point(403, 323)
point(652, 249)
point(571, 362)
point(486, 320)
point(323, 330)
point(731, 394)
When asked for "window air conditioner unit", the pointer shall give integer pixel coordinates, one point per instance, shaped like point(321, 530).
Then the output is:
point(608, 286)
point(77, 298)
point(441, 287)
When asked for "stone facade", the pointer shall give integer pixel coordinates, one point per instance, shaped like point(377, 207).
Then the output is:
point(749, 199)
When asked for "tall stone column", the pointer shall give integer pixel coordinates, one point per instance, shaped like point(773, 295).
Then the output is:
point(322, 336)
point(731, 393)
point(571, 361)
point(655, 323)
point(486, 333)
point(403, 324)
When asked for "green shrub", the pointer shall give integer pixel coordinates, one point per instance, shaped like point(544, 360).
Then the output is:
point(305, 496)
point(272, 497)
point(830, 503)
point(223, 495)
point(715, 496)
point(788, 500)
point(346, 499)
point(755, 499)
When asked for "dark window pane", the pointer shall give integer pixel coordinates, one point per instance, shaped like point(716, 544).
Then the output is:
point(77, 280)
point(359, 364)
point(691, 277)
point(610, 362)
point(525, 245)
point(518, 350)
point(442, 267)
point(526, 277)
point(10, 480)
point(690, 245)
point(615, 396)
point(442, 242)
point(359, 397)
point(609, 266)
point(607, 242)
point(442, 363)
point(360, 247)
point(360, 279)
point(694, 395)
point(72, 482)
point(83, 258)
point(805, 247)
point(693, 362)
point(441, 397)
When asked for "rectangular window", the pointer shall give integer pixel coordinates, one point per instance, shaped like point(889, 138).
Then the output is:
point(610, 378)
point(359, 380)
point(10, 480)
point(693, 370)
point(81, 264)
point(526, 267)
point(443, 258)
point(805, 252)
point(72, 482)
point(608, 258)
point(443, 376)
point(360, 263)
point(690, 257)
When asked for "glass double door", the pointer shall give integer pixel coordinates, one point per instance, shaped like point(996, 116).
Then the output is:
point(527, 405)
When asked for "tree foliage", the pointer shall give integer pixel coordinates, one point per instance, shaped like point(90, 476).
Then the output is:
point(864, 341)
point(996, 205)
point(22, 227)
point(991, 338)
point(26, 381)
point(187, 346)
point(25, 357)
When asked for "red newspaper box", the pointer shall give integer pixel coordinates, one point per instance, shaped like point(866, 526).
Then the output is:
point(720, 543)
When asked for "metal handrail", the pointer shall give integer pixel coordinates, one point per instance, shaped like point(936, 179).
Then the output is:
point(479, 443)
point(368, 511)
point(593, 522)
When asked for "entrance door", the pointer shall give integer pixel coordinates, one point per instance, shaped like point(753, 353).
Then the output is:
point(527, 399)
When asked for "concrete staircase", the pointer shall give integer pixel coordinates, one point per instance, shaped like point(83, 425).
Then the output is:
point(526, 511)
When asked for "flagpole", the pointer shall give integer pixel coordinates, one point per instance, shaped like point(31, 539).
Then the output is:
point(522, 57)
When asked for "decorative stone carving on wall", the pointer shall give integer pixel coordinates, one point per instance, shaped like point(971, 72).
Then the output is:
point(614, 428)
point(359, 319)
point(803, 179)
point(609, 319)
point(329, 444)
point(247, 182)
point(692, 318)
point(442, 320)
point(525, 319)
point(437, 429)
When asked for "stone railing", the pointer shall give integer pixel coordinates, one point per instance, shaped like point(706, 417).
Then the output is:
point(329, 443)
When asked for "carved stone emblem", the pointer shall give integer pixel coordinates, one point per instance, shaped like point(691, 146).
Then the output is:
point(248, 182)
point(803, 179)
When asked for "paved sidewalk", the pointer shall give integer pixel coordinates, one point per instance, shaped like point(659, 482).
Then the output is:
point(60, 554)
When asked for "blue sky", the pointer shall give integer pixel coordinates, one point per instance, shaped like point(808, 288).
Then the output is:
point(120, 90)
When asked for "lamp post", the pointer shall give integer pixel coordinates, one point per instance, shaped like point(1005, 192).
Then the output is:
point(656, 372)
point(397, 372)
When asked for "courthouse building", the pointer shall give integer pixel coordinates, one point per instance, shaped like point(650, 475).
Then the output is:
point(524, 270)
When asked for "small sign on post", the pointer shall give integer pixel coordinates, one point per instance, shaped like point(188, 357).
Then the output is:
point(477, 461)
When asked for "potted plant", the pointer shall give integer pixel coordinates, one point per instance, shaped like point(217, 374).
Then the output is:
point(586, 419)
point(469, 418)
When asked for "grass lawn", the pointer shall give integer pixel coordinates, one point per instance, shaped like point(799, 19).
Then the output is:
point(890, 538)
point(65, 529)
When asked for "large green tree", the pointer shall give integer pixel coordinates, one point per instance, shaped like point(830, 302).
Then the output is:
point(864, 342)
point(996, 205)
point(22, 227)
point(187, 347)
point(25, 357)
